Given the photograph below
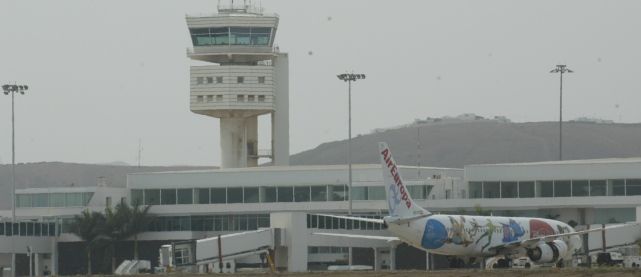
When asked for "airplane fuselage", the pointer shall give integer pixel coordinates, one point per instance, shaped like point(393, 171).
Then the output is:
point(477, 236)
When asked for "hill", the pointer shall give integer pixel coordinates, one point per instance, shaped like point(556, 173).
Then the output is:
point(477, 142)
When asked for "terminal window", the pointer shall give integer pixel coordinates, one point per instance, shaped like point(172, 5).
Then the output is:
point(250, 195)
point(202, 195)
point(268, 194)
point(218, 195)
point(234, 195)
point(261, 98)
point(210, 98)
point(219, 98)
point(261, 79)
point(301, 194)
point(199, 80)
point(580, 188)
point(562, 188)
point(240, 79)
point(285, 194)
point(185, 196)
point(319, 193)
point(251, 98)
point(210, 80)
point(633, 187)
point(240, 98)
point(219, 80)
point(598, 188)
point(199, 99)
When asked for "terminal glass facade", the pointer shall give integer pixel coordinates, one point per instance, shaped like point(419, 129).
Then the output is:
point(28, 229)
point(205, 223)
point(269, 194)
point(53, 200)
point(554, 188)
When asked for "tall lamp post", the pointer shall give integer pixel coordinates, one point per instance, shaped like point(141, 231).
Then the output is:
point(13, 89)
point(349, 78)
point(561, 69)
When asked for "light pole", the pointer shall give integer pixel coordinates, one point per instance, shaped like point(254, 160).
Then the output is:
point(13, 89)
point(349, 78)
point(561, 68)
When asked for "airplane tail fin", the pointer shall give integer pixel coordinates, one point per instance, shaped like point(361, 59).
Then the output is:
point(399, 201)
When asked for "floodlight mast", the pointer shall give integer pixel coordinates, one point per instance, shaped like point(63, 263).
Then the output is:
point(13, 89)
point(349, 78)
point(561, 69)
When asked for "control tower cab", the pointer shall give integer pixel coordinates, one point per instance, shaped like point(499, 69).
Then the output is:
point(247, 77)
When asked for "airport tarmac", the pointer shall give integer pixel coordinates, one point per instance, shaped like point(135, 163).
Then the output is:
point(607, 272)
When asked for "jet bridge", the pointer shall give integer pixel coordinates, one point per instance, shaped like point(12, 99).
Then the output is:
point(207, 255)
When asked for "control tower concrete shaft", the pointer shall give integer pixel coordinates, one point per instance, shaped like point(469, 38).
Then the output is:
point(246, 77)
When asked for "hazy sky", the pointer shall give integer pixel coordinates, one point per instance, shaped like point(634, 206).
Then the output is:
point(104, 74)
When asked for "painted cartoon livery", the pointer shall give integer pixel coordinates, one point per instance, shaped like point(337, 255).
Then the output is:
point(542, 240)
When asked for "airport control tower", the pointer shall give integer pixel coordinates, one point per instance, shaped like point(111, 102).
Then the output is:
point(246, 76)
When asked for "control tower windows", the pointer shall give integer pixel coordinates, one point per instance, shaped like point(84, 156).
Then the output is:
point(219, 36)
point(240, 79)
point(261, 80)
point(239, 35)
point(219, 80)
point(210, 80)
point(200, 36)
point(251, 98)
point(231, 36)
point(260, 35)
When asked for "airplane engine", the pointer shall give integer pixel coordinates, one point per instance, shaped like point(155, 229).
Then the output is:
point(548, 252)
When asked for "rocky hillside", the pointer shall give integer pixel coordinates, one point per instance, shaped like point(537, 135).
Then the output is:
point(476, 142)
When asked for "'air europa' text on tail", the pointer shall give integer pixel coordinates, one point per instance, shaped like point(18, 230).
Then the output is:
point(397, 178)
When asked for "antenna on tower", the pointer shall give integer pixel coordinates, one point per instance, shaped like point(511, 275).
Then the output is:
point(139, 152)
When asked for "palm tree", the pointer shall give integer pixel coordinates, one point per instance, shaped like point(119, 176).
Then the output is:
point(89, 226)
point(139, 220)
point(116, 228)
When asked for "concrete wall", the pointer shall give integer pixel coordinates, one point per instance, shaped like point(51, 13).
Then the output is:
point(295, 250)
point(280, 116)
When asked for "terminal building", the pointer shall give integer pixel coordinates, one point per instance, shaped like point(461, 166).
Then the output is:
point(246, 76)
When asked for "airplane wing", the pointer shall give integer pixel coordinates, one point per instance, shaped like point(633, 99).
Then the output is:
point(533, 241)
point(372, 220)
point(388, 239)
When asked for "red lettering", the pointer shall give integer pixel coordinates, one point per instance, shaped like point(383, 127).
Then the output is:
point(385, 153)
point(393, 171)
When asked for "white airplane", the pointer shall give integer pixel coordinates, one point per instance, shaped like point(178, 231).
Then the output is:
point(542, 240)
